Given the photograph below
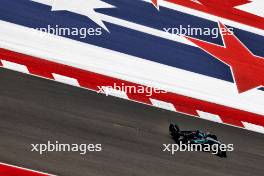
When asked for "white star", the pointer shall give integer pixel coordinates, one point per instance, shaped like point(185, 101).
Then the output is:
point(82, 7)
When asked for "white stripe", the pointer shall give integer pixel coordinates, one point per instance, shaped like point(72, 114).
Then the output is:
point(253, 127)
point(147, 30)
point(47, 2)
point(209, 116)
point(126, 67)
point(66, 80)
point(162, 104)
point(209, 17)
point(116, 93)
point(14, 66)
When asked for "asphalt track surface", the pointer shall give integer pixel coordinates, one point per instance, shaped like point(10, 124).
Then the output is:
point(35, 110)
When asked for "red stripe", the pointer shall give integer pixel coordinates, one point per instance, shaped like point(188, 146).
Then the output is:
point(186, 110)
point(91, 80)
point(232, 121)
point(7, 170)
point(223, 10)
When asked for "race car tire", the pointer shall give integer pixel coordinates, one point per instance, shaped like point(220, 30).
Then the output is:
point(174, 128)
point(213, 136)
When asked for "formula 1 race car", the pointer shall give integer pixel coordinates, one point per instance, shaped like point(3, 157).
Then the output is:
point(197, 137)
